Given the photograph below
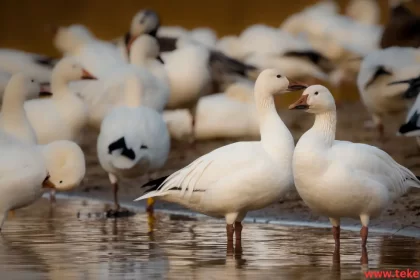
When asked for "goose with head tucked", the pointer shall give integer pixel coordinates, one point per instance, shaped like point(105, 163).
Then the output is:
point(341, 179)
point(240, 177)
point(133, 140)
point(27, 170)
point(13, 119)
point(63, 116)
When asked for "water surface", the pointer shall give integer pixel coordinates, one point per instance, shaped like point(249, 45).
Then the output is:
point(41, 242)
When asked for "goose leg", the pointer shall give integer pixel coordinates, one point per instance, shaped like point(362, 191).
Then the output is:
point(52, 196)
point(229, 233)
point(2, 218)
point(364, 231)
point(150, 204)
point(336, 231)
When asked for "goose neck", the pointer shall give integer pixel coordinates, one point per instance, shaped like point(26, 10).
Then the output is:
point(325, 126)
point(133, 92)
point(59, 85)
point(276, 138)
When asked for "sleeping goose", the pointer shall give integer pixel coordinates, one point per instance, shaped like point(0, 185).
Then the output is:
point(27, 170)
point(133, 140)
point(341, 179)
point(13, 119)
point(240, 177)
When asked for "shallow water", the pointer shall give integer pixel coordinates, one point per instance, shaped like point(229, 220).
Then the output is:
point(44, 243)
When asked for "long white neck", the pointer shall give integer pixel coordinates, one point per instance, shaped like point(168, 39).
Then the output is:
point(325, 127)
point(59, 85)
point(276, 138)
point(133, 92)
point(12, 109)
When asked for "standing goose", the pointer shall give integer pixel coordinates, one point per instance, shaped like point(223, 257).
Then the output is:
point(341, 179)
point(133, 140)
point(62, 116)
point(240, 177)
point(13, 119)
point(27, 170)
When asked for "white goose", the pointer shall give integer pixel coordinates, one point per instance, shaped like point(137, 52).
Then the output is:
point(27, 170)
point(377, 70)
point(96, 56)
point(244, 176)
point(37, 66)
point(13, 119)
point(339, 178)
point(133, 140)
point(146, 66)
point(63, 116)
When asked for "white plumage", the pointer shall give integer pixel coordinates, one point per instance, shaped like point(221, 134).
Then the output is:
point(240, 177)
point(340, 178)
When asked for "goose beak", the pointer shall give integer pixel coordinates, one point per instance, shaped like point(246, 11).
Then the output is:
point(400, 82)
point(159, 58)
point(300, 104)
point(47, 184)
point(87, 76)
point(130, 42)
point(44, 91)
point(294, 86)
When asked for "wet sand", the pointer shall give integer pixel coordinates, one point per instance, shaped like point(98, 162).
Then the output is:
point(351, 116)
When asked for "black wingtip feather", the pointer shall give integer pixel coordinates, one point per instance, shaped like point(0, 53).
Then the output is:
point(154, 184)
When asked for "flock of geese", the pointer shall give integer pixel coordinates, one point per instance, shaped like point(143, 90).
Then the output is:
point(156, 83)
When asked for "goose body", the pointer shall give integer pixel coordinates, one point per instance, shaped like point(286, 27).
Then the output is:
point(37, 66)
point(64, 115)
point(377, 71)
point(27, 170)
point(240, 177)
point(103, 95)
point(227, 115)
point(349, 179)
point(13, 119)
point(133, 139)
point(96, 56)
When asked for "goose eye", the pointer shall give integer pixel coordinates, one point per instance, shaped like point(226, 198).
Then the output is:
point(32, 81)
point(279, 76)
point(316, 93)
point(143, 147)
point(61, 181)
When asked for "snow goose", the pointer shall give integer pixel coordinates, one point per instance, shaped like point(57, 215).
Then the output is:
point(133, 140)
point(102, 95)
point(26, 171)
point(37, 66)
point(401, 29)
point(96, 56)
point(227, 115)
point(341, 179)
point(62, 116)
point(180, 124)
point(240, 177)
point(145, 54)
point(377, 70)
point(13, 119)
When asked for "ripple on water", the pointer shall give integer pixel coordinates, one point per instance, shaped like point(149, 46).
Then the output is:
point(44, 243)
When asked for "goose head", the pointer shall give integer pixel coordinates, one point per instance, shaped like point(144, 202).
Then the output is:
point(21, 87)
point(315, 99)
point(143, 48)
point(271, 82)
point(69, 69)
point(144, 22)
point(68, 38)
point(65, 163)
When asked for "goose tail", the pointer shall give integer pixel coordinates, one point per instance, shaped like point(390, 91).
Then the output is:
point(152, 188)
